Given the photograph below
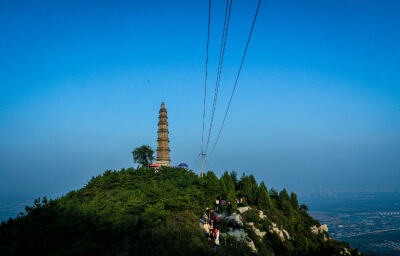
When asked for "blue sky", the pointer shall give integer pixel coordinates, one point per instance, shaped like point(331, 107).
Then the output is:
point(317, 104)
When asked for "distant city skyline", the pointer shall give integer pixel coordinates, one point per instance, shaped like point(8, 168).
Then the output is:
point(317, 104)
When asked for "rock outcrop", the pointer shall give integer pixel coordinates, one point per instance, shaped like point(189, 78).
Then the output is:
point(345, 252)
point(282, 233)
point(323, 229)
point(243, 209)
point(259, 233)
point(238, 226)
point(235, 218)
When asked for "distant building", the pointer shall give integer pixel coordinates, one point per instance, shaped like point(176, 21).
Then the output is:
point(163, 148)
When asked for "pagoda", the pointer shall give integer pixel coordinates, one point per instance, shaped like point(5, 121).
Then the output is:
point(163, 148)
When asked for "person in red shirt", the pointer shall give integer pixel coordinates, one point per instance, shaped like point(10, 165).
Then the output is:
point(215, 231)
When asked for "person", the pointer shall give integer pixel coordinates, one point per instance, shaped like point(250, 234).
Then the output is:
point(206, 218)
point(241, 201)
point(223, 201)
point(206, 227)
point(210, 235)
point(229, 208)
point(211, 215)
point(216, 204)
point(216, 236)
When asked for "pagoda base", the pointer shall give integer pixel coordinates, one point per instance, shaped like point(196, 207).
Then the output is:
point(163, 163)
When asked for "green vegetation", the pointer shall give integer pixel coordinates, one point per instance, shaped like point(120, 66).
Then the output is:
point(143, 155)
point(142, 212)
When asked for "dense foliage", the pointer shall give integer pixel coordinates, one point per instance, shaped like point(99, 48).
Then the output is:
point(143, 212)
point(143, 155)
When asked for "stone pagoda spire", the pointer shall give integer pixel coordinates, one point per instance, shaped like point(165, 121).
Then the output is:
point(163, 149)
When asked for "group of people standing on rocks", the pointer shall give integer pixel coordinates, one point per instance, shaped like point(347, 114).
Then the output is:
point(212, 215)
point(210, 229)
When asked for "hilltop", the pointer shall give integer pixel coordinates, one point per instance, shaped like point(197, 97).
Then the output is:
point(143, 212)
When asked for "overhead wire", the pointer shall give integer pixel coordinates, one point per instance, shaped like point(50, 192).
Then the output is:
point(237, 78)
point(228, 8)
point(195, 162)
point(205, 80)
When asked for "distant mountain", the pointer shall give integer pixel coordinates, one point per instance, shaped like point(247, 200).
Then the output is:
point(144, 212)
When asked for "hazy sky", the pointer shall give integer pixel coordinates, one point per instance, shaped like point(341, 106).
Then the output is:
point(317, 104)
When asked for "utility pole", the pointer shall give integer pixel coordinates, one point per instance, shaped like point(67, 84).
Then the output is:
point(202, 164)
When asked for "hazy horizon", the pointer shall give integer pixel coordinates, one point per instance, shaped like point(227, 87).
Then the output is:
point(317, 105)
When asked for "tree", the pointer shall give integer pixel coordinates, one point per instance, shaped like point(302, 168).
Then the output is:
point(284, 202)
point(293, 199)
point(249, 188)
point(212, 186)
point(226, 179)
point(235, 179)
point(263, 199)
point(303, 207)
point(143, 155)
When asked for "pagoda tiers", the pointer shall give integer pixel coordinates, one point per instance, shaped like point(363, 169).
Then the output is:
point(163, 148)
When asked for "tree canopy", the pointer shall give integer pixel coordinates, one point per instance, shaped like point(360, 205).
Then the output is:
point(143, 155)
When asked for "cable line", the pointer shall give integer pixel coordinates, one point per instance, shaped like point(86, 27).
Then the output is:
point(237, 78)
point(220, 62)
point(205, 80)
point(194, 162)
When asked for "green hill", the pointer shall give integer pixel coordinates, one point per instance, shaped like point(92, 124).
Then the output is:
point(141, 212)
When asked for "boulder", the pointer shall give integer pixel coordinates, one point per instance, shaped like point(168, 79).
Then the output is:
point(262, 216)
point(323, 228)
point(239, 234)
point(314, 230)
point(282, 233)
point(345, 251)
point(235, 218)
point(251, 245)
point(256, 230)
point(243, 209)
